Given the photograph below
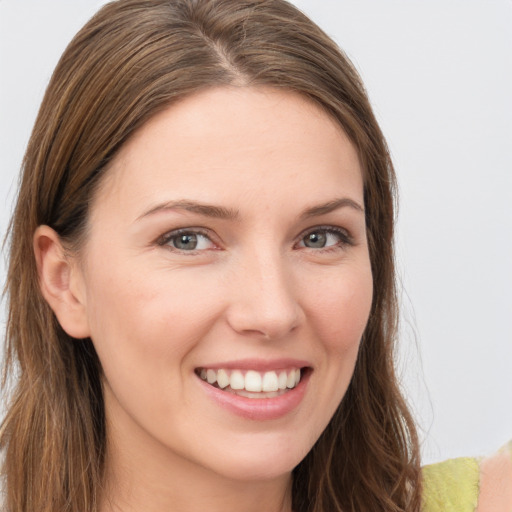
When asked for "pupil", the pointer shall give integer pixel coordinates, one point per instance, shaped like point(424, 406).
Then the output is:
point(186, 242)
point(316, 240)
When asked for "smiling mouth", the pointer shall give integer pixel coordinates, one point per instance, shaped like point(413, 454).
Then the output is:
point(251, 383)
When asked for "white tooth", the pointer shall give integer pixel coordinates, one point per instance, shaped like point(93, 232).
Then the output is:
point(237, 380)
point(270, 382)
point(253, 381)
point(203, 374)
point(282, 380)
point(290, 381)
point(222, 379)
point(211, 376)
point(297, 376)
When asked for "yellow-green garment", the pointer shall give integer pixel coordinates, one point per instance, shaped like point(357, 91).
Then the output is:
point(453, 485)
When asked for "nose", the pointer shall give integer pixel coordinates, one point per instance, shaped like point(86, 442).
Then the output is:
point(264, 300)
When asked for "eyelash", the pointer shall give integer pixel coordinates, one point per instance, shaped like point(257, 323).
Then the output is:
point(165, 240)
point(344, 238)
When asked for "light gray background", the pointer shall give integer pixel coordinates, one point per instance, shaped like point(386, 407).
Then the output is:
point(439, 74)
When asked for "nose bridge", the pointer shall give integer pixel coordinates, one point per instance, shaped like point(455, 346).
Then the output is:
point(265, 301)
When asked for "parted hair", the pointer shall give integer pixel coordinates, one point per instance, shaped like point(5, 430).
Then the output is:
point(132, 60)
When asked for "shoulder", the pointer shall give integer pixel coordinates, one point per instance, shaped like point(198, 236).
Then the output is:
point(496, 482)
point(469, 484)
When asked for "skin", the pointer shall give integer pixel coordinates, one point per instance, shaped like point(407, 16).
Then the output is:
point(253, 289)
point(496, 482)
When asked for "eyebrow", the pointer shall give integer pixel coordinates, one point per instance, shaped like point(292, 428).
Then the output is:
point(220, 212)
point(329, 207)
point(207, 210)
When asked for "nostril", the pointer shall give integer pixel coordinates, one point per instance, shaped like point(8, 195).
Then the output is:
point(264, 324)
point(264, 303)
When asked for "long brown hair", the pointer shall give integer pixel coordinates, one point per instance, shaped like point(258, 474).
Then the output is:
point(131, 60)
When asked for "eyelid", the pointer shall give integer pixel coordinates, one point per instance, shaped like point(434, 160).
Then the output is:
point(346, 238)
point(164, 239)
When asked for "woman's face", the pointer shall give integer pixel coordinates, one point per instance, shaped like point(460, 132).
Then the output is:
point(227, 243)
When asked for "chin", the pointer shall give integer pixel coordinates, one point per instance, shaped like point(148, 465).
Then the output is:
point(256, 460)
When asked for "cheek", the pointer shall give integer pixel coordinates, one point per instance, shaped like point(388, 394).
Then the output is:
point(154, 316)
point(144, 330)
point(338, 311)
point(340, 308)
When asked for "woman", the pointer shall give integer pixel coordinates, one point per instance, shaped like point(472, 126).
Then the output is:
point(206, 310)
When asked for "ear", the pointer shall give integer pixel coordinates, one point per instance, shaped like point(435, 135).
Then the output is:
point(61, 282)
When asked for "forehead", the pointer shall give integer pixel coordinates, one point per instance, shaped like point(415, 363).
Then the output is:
point(231, 140)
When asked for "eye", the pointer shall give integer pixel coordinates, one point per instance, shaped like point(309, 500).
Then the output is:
point(324, 238)
point(187, 240)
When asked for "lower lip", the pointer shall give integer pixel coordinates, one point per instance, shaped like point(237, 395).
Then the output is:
point(259, 409)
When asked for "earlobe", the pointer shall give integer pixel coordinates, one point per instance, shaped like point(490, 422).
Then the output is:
point(59, 281)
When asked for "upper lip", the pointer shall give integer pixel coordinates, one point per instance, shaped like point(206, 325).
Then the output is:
point(261, 365)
